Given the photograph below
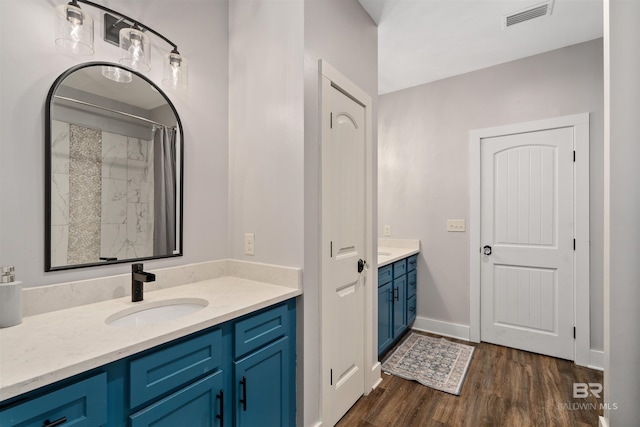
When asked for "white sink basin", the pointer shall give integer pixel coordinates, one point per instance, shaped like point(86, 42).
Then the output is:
point(156, 312)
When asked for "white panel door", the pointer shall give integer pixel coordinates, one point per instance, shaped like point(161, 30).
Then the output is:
point(527, 281)
point(343, 235)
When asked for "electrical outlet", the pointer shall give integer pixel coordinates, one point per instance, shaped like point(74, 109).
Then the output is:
point(456, 225)
point(387, 230)
point(249, 244)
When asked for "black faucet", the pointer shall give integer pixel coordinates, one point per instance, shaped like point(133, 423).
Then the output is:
point(138, 277)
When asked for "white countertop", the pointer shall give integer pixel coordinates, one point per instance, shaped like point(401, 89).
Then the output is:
point(392, 250)
point(48, 347)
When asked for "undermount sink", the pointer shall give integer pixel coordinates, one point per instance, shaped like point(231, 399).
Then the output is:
point(156, 312)
point(384, 253)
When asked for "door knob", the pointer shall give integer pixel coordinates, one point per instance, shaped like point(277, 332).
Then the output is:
point(361, 264)
point(487, 250)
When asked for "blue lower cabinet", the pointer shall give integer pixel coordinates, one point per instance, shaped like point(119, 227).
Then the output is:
point(200, 404)
point(263, 389)
point(81, 404)
point(397, 286)
point(385, 317)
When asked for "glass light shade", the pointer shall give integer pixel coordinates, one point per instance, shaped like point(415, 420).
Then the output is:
point(176, 71)
point(136, 49)
point(74, 29)
point(117, 74)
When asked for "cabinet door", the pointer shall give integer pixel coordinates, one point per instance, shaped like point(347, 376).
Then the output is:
point(385, 317)
point(399, 306)
point(263, 387)
point(197, 405)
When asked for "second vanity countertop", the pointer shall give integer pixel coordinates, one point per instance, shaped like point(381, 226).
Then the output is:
point(52, 346)
point(392, 250)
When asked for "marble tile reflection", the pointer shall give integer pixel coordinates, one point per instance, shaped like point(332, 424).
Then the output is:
point(60, 199)
point(137, 149)
point(114, 156)
point(114, 201)
point(113, 242)
point(59, 147)
point(59, 244)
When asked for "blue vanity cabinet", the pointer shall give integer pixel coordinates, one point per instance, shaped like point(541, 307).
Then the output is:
point(191, 381)
point(264, 368)
point(397, 284)
point(81, 404)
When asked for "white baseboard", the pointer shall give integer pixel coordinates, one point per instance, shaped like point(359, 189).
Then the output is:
point(439, 327)
point(603, 422)
point(596, 360)
point(376, 375)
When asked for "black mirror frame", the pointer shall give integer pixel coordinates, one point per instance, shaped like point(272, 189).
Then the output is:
point(48, 170)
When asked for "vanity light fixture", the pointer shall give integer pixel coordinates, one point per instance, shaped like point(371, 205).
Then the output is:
point(75, 32)
point(136, 49)
point(74, 29)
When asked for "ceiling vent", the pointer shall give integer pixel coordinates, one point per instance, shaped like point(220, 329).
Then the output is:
point(532, 12)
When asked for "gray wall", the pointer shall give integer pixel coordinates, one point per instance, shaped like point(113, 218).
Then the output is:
point(266, 136)
point(622, 210)
point(25, 81)
point(424, 162)
point(343, 34)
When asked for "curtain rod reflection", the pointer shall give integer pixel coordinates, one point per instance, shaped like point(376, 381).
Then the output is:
point(111, 110)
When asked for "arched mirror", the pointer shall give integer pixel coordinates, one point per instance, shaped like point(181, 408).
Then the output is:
point(113, 169)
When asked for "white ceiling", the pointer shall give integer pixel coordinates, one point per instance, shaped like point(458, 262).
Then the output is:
point(420, 41)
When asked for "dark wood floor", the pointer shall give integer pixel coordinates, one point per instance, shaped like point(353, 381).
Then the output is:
point(503, 387)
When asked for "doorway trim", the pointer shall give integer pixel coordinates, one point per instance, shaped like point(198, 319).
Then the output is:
point(372, 366)
point(580, 124)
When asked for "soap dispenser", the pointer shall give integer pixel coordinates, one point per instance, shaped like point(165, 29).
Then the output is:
point(10, 298)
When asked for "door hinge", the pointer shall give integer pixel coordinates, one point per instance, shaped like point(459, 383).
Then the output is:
point(574, 244)
point(331, 120)
point(574, 332)
point(331, 376)
point(574, 155)
point(331, 249)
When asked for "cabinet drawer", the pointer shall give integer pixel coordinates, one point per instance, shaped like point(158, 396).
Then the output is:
point(384, 274)
point(198, 404)
point(260, 329)
point(167, 369)
point(412, 261)
point(82, 404)
point(411, 283)
point(399, 268)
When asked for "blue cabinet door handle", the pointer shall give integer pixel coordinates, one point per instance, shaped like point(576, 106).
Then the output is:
point(58, 422)
point(243, 383)
point(221, 416)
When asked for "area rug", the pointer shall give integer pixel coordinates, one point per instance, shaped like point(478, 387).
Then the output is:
point(434, 362)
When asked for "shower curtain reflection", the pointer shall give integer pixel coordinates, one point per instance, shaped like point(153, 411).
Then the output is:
point(164, 153)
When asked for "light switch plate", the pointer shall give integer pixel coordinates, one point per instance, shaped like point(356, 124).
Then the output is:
point(387, 230)
point(456, 225)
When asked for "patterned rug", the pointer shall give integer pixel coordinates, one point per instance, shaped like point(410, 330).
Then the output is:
point(434, 362)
